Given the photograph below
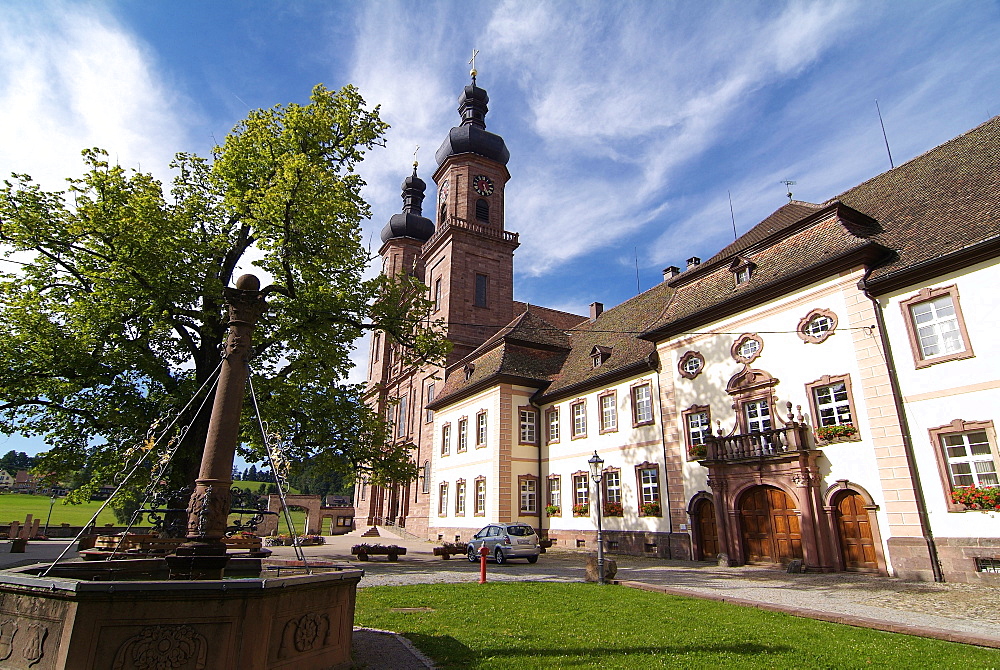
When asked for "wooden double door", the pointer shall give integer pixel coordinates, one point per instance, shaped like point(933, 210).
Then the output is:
point(708, 533)
point(854, 527)
point(770, 527)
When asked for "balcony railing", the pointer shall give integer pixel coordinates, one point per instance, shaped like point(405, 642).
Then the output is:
point(773, 443)
point(484, 230)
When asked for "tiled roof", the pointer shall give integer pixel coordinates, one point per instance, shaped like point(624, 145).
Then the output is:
point(939, 202)
point(616, 329)
point(942, 201)
point(556, 317)
point(780, 219)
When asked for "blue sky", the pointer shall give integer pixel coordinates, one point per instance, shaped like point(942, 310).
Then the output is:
point(627, 122)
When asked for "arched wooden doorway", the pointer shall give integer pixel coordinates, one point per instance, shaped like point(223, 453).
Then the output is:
point(769, 523)
point(854, 530)
point(708, 534)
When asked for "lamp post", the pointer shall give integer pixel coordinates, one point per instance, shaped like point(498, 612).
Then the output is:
point(597, 473)
point(52, 502)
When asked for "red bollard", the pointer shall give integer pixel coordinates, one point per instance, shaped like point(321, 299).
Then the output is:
point(483, 553)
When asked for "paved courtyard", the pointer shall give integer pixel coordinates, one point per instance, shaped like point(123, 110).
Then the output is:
point(960, 612)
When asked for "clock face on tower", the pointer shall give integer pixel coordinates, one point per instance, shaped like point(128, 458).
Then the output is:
point(482, 184)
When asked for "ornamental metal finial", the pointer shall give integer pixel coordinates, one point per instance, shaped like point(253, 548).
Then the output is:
point(472, 62)
point(415, 163)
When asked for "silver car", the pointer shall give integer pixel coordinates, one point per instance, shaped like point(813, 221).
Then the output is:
point(505, 541)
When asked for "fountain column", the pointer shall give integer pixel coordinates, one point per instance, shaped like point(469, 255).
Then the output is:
point(203, 555)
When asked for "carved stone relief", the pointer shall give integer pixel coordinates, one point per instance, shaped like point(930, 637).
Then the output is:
point(162, 648)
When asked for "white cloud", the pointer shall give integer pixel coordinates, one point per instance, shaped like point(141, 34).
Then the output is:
point(71, 78)
point(638, 95)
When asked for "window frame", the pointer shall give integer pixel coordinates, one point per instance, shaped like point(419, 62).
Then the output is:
point(425, 486)
point(482, 429)
point(642, 488)
point(574, 434)
point(437, 294)
point(927, 295)
point(604, 426)
point(463, 435)
point(552, 412)
point(401, 410)
point(636, 422)
point(688, 438)
point(956, 427)
point(429, 413)
point(446, 439)
point(460, 491)
point(549, 498)
point(607, 488)
point(527, 486)
point(831, 380)
point(804, 322)
point(443, 499)
point(734, 351)
point(581, 494)
point(480, 491)
point(690, 356)
point(522, 411)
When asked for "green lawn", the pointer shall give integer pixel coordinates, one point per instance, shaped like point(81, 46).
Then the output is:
point(552, 625)
point(14, 507)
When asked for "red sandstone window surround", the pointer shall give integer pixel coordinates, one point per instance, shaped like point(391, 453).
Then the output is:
point(642, 404)
point(528, 486)
point(967, 455)
point(691, 365)
point(607, 403)
point(831, 401)
point(482, 430)
point(697, 429)
point(747, 348)
point(480, 496)
point(552, 425)
point(579, 411)
point(528, 433)
point(460, 497)
point(816, 326)
point(936, 327)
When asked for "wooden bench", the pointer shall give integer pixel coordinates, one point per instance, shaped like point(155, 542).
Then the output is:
point(132, 546)
point(363, 551)
point(449, 549)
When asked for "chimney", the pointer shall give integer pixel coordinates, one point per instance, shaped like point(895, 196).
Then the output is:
point(671, 272)
point(596, 309)
point(693, 262)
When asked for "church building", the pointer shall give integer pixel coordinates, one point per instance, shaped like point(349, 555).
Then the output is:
point(810, 393)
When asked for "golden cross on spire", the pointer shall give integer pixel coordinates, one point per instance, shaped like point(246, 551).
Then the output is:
point(472, 62)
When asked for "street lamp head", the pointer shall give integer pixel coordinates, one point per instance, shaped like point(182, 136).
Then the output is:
point(596, 467)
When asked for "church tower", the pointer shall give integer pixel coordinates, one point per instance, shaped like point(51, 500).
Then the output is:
point(469, 262)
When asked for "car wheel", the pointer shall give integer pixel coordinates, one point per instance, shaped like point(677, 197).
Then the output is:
point(532, 559)
point(473, 555)
point(498, 555)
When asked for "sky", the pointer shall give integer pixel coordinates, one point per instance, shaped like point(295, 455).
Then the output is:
point(630, 124)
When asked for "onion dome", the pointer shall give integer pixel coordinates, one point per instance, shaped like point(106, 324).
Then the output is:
point(410, 223)
point(471, 136)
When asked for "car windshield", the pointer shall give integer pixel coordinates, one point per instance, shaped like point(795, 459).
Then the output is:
point(520, 531)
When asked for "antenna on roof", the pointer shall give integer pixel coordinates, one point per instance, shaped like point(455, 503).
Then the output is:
point(891, 164)
point(788, 187)
point(732, 215)
point(637, 289)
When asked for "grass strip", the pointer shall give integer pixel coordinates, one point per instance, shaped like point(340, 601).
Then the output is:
point(556, 625)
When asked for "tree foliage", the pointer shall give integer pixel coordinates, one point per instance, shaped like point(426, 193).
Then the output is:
point(118, 318)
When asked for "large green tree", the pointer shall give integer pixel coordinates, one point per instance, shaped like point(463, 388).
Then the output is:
point(117, 318)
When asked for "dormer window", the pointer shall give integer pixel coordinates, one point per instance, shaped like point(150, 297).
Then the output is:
point(599, 355)
point(469, 369)
point(742, 270)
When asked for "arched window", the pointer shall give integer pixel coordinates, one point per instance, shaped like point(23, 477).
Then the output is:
point(483, 210)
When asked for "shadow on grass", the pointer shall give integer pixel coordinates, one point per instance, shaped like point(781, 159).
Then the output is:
point(449, 652)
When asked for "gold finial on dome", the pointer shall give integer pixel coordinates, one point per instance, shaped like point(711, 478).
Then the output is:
point(415, 163)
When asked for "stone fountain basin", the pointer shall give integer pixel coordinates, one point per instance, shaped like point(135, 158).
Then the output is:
point(121, 615)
